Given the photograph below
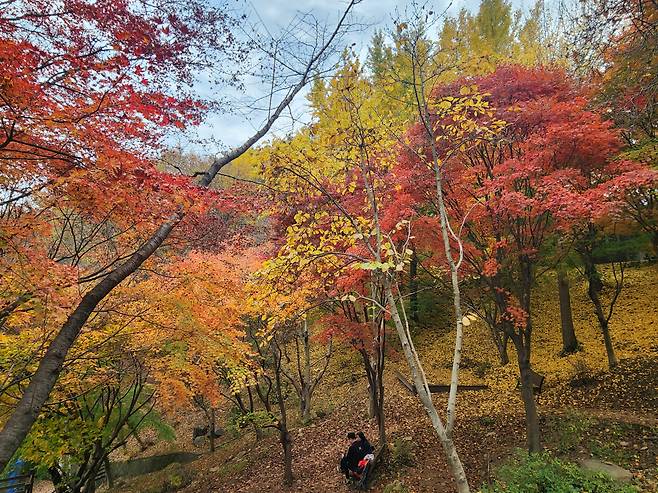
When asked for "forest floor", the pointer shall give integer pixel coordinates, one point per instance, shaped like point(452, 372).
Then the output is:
point(586, 411)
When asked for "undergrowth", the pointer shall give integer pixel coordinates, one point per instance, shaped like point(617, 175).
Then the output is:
point(542, 473)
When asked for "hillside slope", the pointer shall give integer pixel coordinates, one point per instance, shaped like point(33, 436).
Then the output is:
point(585, 409)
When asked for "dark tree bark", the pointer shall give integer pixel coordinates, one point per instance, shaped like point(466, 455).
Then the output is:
point(56, 478)
point(108, 471)
point(501, 339)
point(374, 368)
point(503, 329)
point(533, 434)
point(374, 358)
point(569, 341)
point(305, 382)
point(595, 288)
point(209, 412)
point(212, 429)
point(522, 338)
point(282, 424)
point(36, 394)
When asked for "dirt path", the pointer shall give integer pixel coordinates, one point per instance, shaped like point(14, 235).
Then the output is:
point(43, 487)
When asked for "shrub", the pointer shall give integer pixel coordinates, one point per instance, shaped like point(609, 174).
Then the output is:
point(171, 478)
point(323, 409)
point(581, 374)
point(570, 431)
point(396, 486)
point(540, 473)
point(402, 452)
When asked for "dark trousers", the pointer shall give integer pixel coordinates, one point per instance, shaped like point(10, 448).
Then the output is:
point(345, 467)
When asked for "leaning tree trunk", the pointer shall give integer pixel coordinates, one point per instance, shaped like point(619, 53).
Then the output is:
point(569, 341)
point(425, 396)
point(36, 394)
point(607, 340)
point(456, 294)
point(594, 289)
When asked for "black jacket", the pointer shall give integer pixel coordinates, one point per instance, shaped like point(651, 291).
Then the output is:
point(354, 455)
point(365, 447)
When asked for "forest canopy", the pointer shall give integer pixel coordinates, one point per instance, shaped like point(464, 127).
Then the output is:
point(410, 198)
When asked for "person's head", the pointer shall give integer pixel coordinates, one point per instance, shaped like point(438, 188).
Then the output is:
point(361, 436)
point(351, 436)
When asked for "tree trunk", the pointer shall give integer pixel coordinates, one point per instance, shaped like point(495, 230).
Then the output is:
point(108, 471)
point(533, 435)
point(413, 287)
point(379, 384)
point(305, 404)
point(609, 349)
point(498, 326)
point(425, 396)
point(569, 341)
point(372, 386)
point(259, 432)
point(286, 443)
point(211, 427)
point(57, 480)
point(305, 397)
point(523, 347)
point(376, 405)
point(284, 435)
point(380, 415)
point(504, 356)
point(27, 410)
point(595, 286)
point(138, 439)
point(90, 487)
point(456, 293)
point(87, 481)
point(372, 401)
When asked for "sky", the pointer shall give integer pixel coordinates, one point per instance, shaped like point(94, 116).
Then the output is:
point(222, 131)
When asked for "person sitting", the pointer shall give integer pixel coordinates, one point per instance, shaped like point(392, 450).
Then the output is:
point(350, 460)
point(364, 444)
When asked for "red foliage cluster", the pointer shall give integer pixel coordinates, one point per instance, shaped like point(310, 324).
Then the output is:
point(551, 170)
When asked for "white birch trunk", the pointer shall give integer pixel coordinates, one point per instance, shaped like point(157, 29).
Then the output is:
point(425, 396)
